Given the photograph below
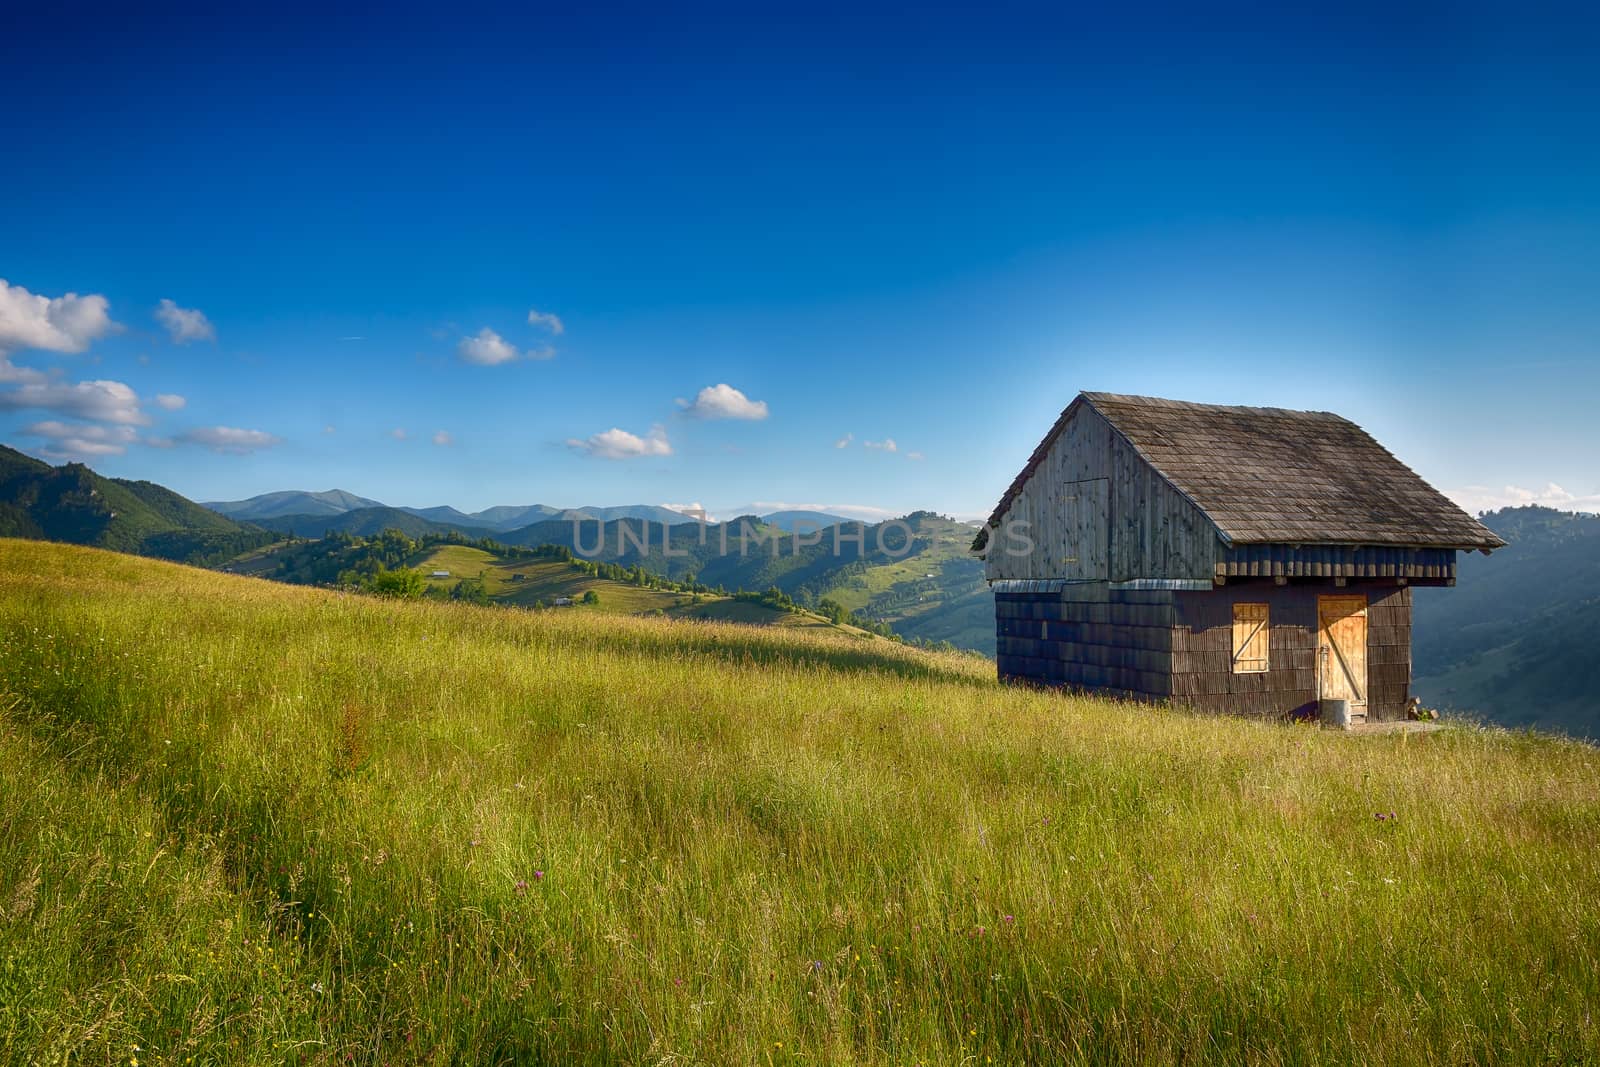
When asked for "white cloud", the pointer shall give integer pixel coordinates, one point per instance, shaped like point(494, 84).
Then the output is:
point(915, 455)
point(844, 442)
point(1476, 498)
point(10, 373)
point(185, 324)
point(548, 320)
point(80, 441)
point(443, 439)
point(885, 445)
point(170, 401)
point(99, 401)
point(695, 510)
point(229, 439)
point(620, 444)
point(330, 428)
point(723, 402)
point(399, 433)
point(543, 352)
point(64, 324)
point(488, 349)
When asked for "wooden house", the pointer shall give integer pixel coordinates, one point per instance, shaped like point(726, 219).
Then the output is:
point(1249, 560)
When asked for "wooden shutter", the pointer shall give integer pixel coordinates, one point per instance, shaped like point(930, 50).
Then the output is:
point(1249, 638)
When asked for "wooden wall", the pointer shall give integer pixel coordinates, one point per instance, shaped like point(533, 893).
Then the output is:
point(1178, 645)
point(1087, 636)
point(1419, 566)
point(1388, 652)
point(1202, 670)
point(1132, 524)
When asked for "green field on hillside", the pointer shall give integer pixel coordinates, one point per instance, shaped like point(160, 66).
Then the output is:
point(936, 592)
point(526, 583)
point(246, 822)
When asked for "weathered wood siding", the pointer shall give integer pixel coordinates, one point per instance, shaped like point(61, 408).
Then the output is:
point(1095, 510)
point(1087, 636)
point(1388, 653)
point(1202, 670)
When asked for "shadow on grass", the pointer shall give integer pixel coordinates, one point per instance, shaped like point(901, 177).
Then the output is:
point(766, 647)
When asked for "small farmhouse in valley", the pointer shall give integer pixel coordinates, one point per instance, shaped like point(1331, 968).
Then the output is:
point(1249, 560)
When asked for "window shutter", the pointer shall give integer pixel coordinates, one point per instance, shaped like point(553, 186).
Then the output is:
point(1249, 638)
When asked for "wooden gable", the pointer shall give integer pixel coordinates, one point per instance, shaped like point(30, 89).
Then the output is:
point(1095, 510)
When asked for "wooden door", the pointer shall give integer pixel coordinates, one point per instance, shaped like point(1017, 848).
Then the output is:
point(1080, 549)
point(1342, 651)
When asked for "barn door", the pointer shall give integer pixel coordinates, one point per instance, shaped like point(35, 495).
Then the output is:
point(1078, 550)
point(1342, 651)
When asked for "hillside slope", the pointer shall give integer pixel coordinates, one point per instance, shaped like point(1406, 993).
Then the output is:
point(291, 502)
point(249, 822)
point(366, 522)
point(538, 583)
point(906, 572)
point(1517, 640)
point(74, 504)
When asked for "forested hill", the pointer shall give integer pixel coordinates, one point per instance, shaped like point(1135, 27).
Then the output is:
point(74, 504)
point(914, 574)
point(1517, 639)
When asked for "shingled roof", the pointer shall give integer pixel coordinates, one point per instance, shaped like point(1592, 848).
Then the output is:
point(1275, 476)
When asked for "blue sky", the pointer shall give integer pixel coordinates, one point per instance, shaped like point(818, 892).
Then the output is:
point(919, 227)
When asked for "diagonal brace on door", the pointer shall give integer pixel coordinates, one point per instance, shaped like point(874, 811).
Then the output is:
point(1349, 674)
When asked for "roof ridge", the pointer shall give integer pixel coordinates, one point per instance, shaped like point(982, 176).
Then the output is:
point(1200, 405)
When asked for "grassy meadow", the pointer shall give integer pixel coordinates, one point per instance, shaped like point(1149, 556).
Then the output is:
point(542, 581)
point(243, 822)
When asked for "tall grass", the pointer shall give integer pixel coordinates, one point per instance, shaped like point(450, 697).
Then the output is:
point(242, 822)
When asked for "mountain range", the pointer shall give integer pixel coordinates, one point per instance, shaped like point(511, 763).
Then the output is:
point(1514, 642)
point(299, 511)
point(1517, 640)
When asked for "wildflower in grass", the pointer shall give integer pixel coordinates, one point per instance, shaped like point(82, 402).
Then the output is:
point(521, 885)
point(538, 876)
point(1010, 919)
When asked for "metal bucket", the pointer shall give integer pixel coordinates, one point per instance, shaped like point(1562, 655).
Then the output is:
point(1335, 713)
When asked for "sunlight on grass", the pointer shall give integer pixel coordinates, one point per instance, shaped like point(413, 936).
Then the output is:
point(251, 822)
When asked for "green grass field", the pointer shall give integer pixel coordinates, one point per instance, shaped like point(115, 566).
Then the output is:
point(542, 581)
point(243, 822)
